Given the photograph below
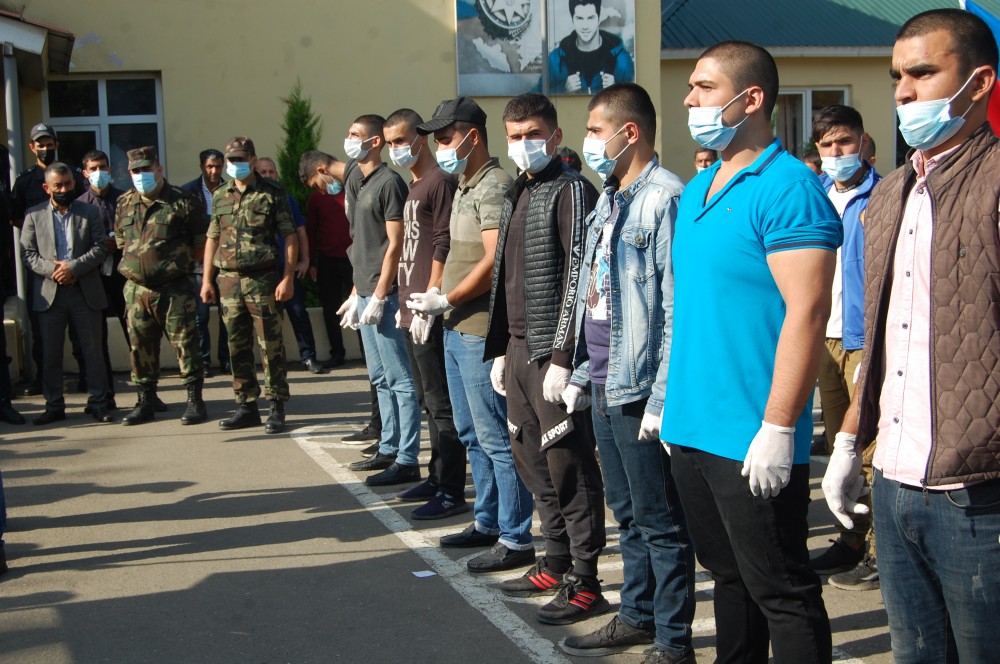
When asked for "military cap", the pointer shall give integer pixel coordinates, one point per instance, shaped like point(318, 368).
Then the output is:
point(40, 130)
point(141, 157)
point(463, 109)
point(240, 146)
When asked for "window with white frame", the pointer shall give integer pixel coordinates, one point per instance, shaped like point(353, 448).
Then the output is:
point(794, 112)
point(110, 113)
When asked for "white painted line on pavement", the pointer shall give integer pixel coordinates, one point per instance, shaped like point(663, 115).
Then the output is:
point(485, 600)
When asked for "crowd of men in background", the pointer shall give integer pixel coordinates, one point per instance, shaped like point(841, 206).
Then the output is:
point(676, 332)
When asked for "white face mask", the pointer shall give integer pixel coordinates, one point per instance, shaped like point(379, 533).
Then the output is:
point(530, 155)
point(352, 147)
point(403, 156)
point(705, 125)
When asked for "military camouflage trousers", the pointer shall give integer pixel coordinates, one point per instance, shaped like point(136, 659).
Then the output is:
point(150, 313)
point(249, 309)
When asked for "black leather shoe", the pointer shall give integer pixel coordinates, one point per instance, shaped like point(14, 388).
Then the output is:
point(377, 462)
point(500, 558)
point(101, 414)
point(3, 561)
point(9, 415)
point(50, 416)
point(245, 415)
point(312, 366)
point(31, 389)
point(397, 473)
point(468, 538)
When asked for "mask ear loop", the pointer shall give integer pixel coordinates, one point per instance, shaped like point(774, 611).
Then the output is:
point(723, 109)
point(947, 108)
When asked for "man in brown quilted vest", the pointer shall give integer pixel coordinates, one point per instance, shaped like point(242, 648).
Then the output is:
point(929, 385)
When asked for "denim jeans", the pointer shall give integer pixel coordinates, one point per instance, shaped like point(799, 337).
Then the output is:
point(3, 512)
point(938, 558)
point(658, 557)
point(503, 504)
point(389, 371)
point(201, 317)
point(299, 318)
point(755, 548)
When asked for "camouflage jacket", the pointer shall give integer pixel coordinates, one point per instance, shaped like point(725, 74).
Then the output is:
point(159, 238)
point(246, 224)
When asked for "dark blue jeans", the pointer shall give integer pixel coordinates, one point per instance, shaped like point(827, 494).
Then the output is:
point(657, 553)
point(939, 570)
point(202, 311)
point(299, 318)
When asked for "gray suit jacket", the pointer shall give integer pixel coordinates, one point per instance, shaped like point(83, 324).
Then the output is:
point(38, 244)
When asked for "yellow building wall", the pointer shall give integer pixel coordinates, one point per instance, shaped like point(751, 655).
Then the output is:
point(225, 64)
point(867, 81)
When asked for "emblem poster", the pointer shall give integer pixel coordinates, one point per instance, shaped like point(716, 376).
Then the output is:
point(500, 47)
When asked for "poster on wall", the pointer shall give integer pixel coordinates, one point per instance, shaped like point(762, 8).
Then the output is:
point(591, 45)
point(559, 47)
point(500, 47)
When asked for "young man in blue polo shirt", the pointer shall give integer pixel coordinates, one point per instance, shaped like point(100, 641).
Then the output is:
point(754, 253)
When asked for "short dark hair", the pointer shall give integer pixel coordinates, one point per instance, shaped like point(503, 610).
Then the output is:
point(573, 4)
point(462, 126)
point(372, 123)
point(628, 102)
point(834, 116)
point(57, 168)
point(715, 154)
point(404, 116)
point(310, 161)
point(530, 105)
point(972, 41)
point(747, 65)
point(869, 151)
point(94, 155)
point(210, 153)
point(812, 157)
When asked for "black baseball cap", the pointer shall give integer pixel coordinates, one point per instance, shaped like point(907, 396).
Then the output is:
point(40, 130)
point(463, 109)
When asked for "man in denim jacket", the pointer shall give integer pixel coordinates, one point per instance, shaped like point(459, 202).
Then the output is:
point(623, 322)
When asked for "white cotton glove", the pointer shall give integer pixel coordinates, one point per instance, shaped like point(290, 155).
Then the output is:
point(420, 328)
point(348, 312)
point(372, 315)
point(576, 399)
point(769, 462)
point(496, 375)
point(399, 319)
point(556, 380)
point(432, 302)
point(843, 482)
point(649, 428)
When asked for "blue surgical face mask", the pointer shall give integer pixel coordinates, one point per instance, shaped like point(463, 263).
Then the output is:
point(403, 156)
point(928, 124)
point(595, 154)
point(449, 161)
point(99, 179)
point(334, 188)
point(145, 182)
point(705, 125)
point(239, 170)
point(841, 168)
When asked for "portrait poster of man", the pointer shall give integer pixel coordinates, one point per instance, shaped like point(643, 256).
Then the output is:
point(592, 45)
point(500, 50)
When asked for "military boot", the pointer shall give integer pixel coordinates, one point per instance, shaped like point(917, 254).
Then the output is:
point(196, 412)
point(276, 420)
point(143, 411)
point(245, 415)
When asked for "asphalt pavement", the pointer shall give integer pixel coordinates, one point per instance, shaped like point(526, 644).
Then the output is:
point(168, 543)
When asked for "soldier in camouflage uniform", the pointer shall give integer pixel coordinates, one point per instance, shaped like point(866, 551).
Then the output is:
point(160, 229)
point(248, 212)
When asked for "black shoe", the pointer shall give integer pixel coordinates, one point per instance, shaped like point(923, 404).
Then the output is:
point(312, 366)
point(500, 558)
point(226, 368)
point(838, 558)
point(276, 419)
point(468, 538)
point(196, 412)
point(9, 415)
point(143, 411)
point(819, 446)
point(32, 389)
point(397, 473)
point(245, 415)
point(207, 372)
point(614, 638)
point(334, 362)
point(3, 561)
point(656, 656)
point(371, 450)
point(111, 403)
point(441, 506)
point(158, 404)
point(579, 598)
point(539, 580)
point(862, 577)
point(378, 462)
point(50, 416)
point(360, 437)
point(101, 414)
point(423, 491)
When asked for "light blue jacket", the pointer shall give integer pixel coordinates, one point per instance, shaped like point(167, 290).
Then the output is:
point(642, 287)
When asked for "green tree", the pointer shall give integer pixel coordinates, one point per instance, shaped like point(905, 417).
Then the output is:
point(303, 130)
